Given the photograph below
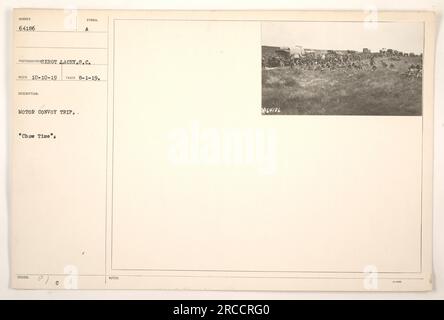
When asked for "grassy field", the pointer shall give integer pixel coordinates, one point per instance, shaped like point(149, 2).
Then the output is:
point(385, 91)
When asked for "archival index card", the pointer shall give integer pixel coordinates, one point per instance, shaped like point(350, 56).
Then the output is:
point(237, 150)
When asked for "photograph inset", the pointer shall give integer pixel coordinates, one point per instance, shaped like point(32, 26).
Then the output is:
point(342, 68)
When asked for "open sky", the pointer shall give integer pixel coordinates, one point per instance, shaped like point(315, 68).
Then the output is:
point(404, 36)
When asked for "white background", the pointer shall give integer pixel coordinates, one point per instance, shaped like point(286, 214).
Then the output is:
point(5, 54)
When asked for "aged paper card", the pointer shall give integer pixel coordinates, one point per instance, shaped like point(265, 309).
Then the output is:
point(229, 150)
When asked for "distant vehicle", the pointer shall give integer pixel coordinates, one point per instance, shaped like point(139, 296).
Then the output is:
point(290, 52)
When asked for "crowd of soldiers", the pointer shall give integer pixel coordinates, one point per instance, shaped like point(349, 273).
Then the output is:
point(347, 62)
point(323, 62)
point(415, 71)
point(332, 62)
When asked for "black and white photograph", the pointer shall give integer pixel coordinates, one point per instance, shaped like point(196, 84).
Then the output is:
point(216, 159)
point(342, 68)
